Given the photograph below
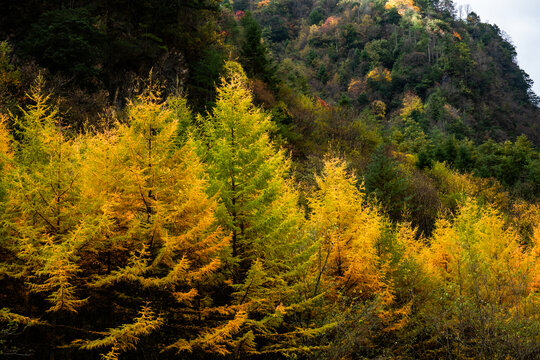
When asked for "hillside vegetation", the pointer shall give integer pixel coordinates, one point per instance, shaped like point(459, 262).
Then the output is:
point(266, 179)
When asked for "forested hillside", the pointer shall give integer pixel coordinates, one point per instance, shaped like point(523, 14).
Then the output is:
point(357, 52)
point(266, 179)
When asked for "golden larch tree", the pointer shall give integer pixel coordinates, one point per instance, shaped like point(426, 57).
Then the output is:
point(44, 225)
point(155, 233)
point(348, 230)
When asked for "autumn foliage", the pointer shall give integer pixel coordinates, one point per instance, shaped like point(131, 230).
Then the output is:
point(402, 5)
point(189, 237)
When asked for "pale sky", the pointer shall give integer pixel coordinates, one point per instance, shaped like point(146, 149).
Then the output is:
point(521, 20)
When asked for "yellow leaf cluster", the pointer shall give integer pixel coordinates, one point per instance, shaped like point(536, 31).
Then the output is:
point(125, 337)
point(5, 141)
point(216, 341)
point(356, 87)
point(525, 218)
point(378, 108)
point(535, 258)
point(379, 74)
point(6, 316)
point(411, 103)
point(480, 255)
point(402, 6)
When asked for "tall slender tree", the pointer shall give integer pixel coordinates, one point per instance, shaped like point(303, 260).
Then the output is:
point(349, 230)
point(258, 202)
point(259, 206)
point(43, 222)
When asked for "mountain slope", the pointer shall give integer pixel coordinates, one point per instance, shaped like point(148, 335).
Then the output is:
point(362, 51)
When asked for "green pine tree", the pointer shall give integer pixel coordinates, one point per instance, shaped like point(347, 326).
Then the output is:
point(271, 256)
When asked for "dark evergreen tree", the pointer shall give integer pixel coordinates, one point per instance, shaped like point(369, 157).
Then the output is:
point(425, 159)
point(255, 59)
point(386, 183)
point(464, 158)
point(66, 40)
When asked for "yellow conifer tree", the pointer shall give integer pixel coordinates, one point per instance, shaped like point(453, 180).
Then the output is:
point(348, 230)
point(154, 230)
point(351, 266)
point(44, 226)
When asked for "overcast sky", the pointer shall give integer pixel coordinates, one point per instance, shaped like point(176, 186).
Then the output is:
point(521, 20)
